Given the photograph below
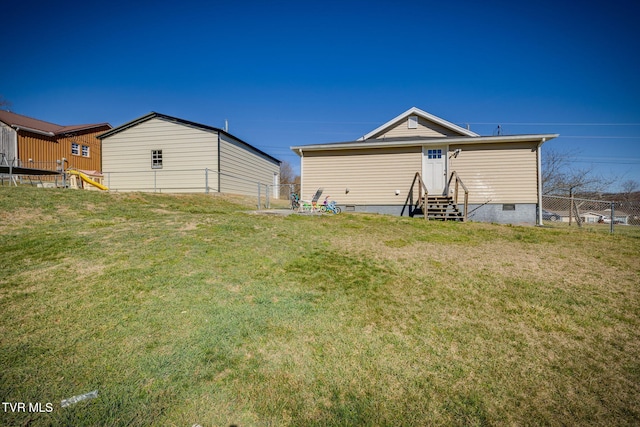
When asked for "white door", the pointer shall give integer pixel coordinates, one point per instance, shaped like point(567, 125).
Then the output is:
point(434, 169)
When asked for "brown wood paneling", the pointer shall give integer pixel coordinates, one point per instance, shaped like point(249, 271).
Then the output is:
point(44, 151)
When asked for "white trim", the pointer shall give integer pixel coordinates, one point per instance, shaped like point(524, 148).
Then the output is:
point(424, 115)
point(412, 142)
point(539, 161)
point(41, 132)
point(301, 154)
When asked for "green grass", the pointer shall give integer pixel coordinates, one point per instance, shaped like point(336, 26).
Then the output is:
point(184, 310)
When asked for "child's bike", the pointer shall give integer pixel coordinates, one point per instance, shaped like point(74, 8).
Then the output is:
point(295, 201)
point(330, 206)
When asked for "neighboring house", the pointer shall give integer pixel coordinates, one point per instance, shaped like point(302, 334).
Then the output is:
point(588, 217)
point(161, 153)
point(600, 216)
point(35, 144)
point(375, 173)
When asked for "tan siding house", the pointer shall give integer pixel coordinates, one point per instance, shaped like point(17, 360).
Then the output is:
point(375, 173)
point(498, 173)
point(161, 153)
point(363, 177)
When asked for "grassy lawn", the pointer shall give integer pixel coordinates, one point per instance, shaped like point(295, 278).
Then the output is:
point(183, 310)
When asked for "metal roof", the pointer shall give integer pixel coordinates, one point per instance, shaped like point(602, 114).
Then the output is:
point(20, 122)
point(153, 114)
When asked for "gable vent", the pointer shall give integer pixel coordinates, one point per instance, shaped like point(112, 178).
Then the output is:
point(412, 123)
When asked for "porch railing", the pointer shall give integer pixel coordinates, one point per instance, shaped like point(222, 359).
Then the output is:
point(458, 183)
point(422, 196)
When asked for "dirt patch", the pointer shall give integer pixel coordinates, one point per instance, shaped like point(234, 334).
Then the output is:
point(190, 226)
point(542, 262)
point(162, 211)
point(275, 212)
point(23, 217)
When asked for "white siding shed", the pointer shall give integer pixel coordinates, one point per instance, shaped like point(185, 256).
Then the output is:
point(161, 153)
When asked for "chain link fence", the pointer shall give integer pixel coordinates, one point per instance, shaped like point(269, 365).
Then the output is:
point(169, 181)
point(596, 214)
point(190, 181)
point(287, 192)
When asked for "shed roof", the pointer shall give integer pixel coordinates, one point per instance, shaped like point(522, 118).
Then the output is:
point(18, 121)
point(153, 115)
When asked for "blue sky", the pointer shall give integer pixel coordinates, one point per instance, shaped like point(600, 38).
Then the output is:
point(287, 73)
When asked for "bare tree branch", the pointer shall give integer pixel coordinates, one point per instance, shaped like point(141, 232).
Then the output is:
point(629, 190)
point(4, 103)
point(287, 174)
point(560, 177)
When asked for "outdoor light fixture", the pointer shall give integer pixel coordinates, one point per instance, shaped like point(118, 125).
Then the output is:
point(397, 192)
point(346, 191)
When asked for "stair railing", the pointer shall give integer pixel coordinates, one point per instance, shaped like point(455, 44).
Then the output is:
point(458, 182)
point(422, 196)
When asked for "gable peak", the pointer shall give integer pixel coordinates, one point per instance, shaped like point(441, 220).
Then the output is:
point(412, 123)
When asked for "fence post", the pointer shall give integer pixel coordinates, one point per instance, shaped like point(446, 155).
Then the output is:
point(268, 195)
point(613, 212)
point(570, 207)
point(258, 196)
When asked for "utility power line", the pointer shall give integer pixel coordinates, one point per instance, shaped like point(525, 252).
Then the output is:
point(599, 137)
point(550, 124)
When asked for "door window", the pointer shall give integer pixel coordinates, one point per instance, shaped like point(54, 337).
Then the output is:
point(434, 154)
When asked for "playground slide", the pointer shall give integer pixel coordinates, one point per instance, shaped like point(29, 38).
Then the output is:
point(88, 180)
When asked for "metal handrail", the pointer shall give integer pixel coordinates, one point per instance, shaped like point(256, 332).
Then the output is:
point(455, 192)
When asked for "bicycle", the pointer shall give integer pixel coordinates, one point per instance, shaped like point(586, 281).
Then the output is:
point(295, 201)
point(330, 206)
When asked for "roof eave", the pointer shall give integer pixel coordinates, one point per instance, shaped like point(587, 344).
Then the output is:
point(128, 125)
point(32, 130)
point(388, 143)
point(81, 128)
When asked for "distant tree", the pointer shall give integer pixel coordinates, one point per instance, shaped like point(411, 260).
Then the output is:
point(561, 178)
point(4, 104)
point(287, 174)
point(629, 186)
point(630, 190)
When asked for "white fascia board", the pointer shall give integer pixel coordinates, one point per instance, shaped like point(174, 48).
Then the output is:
point(127, 125)
point(389, 143)
point(418, 112)
point(32, 130)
